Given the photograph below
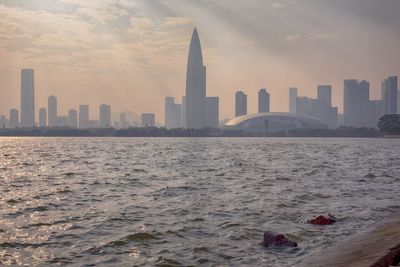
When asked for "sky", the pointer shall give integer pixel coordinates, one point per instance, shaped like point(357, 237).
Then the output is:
point(132, 53)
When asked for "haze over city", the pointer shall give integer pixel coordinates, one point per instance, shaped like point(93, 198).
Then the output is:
point(131, 54)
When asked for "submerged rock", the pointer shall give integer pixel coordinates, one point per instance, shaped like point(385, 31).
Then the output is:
point(273, 239)
point(323, 220)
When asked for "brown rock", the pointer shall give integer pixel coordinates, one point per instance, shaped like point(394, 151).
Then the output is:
point(273, 239)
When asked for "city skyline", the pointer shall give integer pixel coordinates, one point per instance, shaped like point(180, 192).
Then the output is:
point(280, 56)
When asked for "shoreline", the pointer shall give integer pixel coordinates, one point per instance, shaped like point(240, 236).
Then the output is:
point(377, 246)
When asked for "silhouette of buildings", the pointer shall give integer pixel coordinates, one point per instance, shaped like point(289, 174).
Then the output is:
point(173, 116)
point(292, 100)
point(389, 96)
point(240, 104)
point(14, 118)
point(83, 122)
point(73, 118)
point(105, 116)
point(122, 121)
point(148, 120)
point(27, 98)
point(356, 103)
point(263, 101)
point(195, 108)
point(42, 117)
point(212, 112)
point(52, 111)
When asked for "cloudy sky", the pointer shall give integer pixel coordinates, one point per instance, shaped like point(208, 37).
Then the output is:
point(132, 53)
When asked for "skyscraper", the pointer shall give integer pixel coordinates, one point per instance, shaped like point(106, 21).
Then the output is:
point(325, 95)
point(240, 104)
point(212, 112)
point(83, 116)
point(13, 118)
point(356, 107)
point(398, 101)
point(42, 117)
point(27, 98)
point(389, 95)
point(292, 100)
point(73, 118)
point(52, 111)
point(105, 116)
point(172, 114)
point(195, 86)
point(263, 101)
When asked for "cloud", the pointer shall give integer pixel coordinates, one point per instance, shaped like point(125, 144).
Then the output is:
point(278, 5)
point(291, 38)
point(177, 21)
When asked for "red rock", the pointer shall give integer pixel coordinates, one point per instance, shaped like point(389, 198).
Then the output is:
point(273, 239)
point(323, 220)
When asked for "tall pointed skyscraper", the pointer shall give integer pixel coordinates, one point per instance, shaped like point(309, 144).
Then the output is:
point(195, 106)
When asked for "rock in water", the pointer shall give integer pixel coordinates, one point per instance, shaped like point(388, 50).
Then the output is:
point(273, 239)
point(323, 220)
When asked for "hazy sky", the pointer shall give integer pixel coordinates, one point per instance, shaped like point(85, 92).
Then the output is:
point(131, 54)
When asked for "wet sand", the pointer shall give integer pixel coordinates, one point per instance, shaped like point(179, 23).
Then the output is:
point(364, 249)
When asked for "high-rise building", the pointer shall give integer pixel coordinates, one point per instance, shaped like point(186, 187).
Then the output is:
point(27, 98)
point(389, 95)
point(183, 112)
point(3, 122)
point(42, 118)
point(52, 111)
point(375, 113)
point(83, 116)
point(212, 112)
point(195, 86)
point(122, 121)
point(105, 116)
point(263, 101)
point(325, 94)
point(292, 99)
point(148, 120)
point(73, 118)
point(240, 104)
point(356, 103)
point(172, 114)
point(13, 118)
point(398, 101)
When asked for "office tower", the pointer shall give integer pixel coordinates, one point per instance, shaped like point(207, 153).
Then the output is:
point(83, 116)
point(212, 112)
point(375, 112)
point(263, 101)
point(3, 122)
point(62, 121)
point(292, 99)
point(356, 103)
point(27, 98)
point(148, 120)
point(73, 118)
point(324, 93)
point(389, 96)
point(105, 116)
point(398, 101)
point(52, 111)
point(42, 118)
point(122, 121)
point(13, 118)
point(183, 112)
point(195, 86)
point(240, 104)
point(172, 114)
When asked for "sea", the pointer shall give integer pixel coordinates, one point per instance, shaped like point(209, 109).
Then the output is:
point(187, 201)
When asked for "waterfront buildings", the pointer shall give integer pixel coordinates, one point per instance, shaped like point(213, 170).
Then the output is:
point(240, 104)
point(212, 112)
point(173, 114)
point(105, 116)
point(83, 116)
point(27, 98)
point(195, 108)
point(13, 118)
point(263, 101)
point(292, 100)
point(42, 117)
point(52, 111)
point(389, 95)
point(356, 103)
point(73, 118)
point(148, 120)
point(122, 121)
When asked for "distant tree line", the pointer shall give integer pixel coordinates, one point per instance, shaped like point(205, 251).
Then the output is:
point(390, 124)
